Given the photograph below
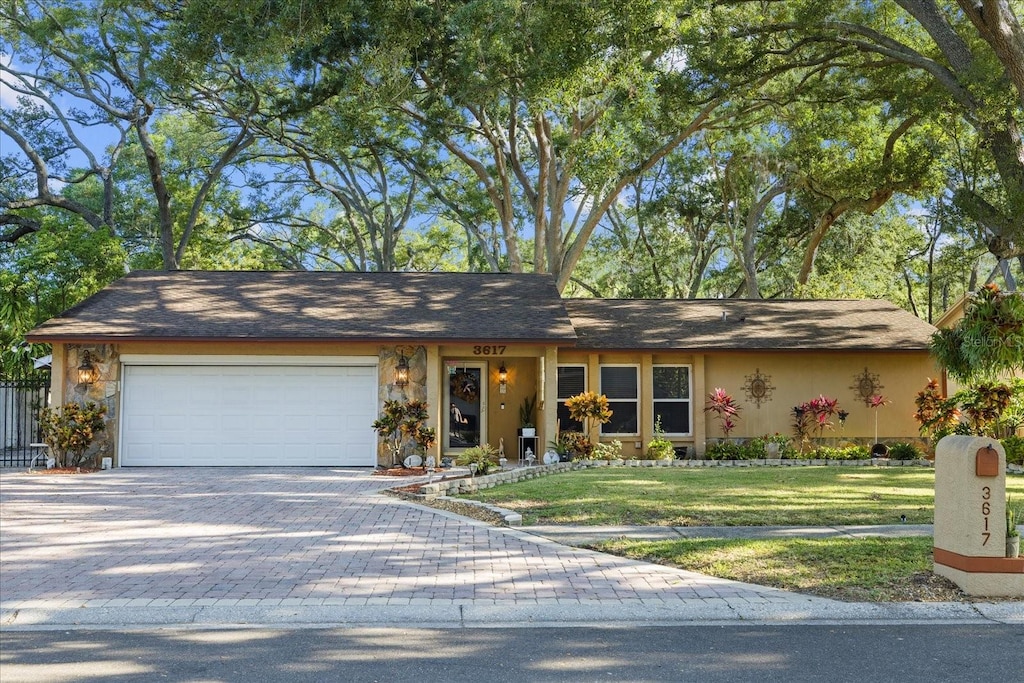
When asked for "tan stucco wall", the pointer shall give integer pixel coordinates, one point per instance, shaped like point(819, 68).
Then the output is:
point(800, 377)
point(796, 377)
point(635, 445)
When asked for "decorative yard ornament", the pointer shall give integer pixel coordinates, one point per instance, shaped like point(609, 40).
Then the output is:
point(758, 387)
point(865, 385)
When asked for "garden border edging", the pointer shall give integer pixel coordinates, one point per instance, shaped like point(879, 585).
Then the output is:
point(446, 488)
point(443, 487)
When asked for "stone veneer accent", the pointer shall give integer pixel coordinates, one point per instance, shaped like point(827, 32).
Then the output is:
point(105, 391)
point(386, 389)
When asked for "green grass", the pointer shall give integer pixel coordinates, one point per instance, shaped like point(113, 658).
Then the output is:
point(871, 569)
point(771, 496)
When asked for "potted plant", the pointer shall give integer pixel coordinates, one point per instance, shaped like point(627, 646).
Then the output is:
point(526, 416)
point(1012, 535)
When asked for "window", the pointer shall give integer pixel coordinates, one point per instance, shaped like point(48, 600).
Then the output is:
point(572, 380)
point(672, 398)
point(620, 383)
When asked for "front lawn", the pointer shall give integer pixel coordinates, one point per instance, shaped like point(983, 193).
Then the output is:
point(770, 496)
point(859, 570)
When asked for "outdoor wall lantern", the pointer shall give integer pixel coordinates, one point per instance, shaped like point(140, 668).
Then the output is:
point(502, 378)
point(402, 371)
point(87, 372)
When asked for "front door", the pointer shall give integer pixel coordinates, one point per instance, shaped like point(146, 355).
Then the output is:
point(465, 395)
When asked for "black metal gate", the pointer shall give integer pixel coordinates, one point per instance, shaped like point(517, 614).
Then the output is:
point(20, 402)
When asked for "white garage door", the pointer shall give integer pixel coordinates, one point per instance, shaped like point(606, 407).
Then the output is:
point(248, 415)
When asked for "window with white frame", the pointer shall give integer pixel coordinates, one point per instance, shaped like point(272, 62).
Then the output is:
point(621, 384)
point(572, 380)
point(672, 404)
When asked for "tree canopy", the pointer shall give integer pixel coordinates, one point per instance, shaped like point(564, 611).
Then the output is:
point(649, 148)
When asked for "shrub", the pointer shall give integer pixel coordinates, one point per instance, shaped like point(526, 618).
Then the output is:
point(937, 416)
point(659, 448)
point(755, 449)
point(573, 446)
point(401, 425)
point(846, 453)
point(483, 456)
point(724, 451)
point(609, 450)
point(1014, 447)
point(904, 451)
point(71, 429)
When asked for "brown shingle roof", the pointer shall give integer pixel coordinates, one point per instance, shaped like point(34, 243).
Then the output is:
point(231, 305)
point(697, 324)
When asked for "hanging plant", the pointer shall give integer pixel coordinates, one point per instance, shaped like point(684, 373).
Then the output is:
point(989, 340)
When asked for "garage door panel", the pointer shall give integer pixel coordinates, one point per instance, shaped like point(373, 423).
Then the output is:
point(239, 415)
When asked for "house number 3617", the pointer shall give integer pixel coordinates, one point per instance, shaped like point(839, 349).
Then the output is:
point(986, 508)
point(489, 350)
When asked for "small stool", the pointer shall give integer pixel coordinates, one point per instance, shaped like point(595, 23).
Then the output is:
point(44, 451)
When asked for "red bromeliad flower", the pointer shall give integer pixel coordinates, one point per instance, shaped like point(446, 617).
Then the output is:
point(877, 401)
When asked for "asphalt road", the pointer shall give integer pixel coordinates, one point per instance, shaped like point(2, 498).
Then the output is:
point(927, 653)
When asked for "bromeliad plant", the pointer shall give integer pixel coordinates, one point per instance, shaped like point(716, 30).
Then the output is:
point(725, 409)
point(480, 459)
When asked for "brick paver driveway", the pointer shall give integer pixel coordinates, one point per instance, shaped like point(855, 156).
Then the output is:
point(173, 536)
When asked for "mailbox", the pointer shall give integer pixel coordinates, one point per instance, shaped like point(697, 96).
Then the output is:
point(986, 462)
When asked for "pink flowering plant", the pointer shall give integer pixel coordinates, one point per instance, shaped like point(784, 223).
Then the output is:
point(814, 415)
point(875, 402)
point(725, 409)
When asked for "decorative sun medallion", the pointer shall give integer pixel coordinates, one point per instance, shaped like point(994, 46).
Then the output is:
point(758, 387)
point(865, 385)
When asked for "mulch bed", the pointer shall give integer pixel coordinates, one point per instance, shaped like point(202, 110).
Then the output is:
point(66, 470)
point(402, 472)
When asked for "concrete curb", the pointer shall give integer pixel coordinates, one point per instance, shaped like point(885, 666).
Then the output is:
point(515, 614)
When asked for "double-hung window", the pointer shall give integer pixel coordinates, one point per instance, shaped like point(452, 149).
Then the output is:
point(672, 405)
point(621, 384)
point(572, 380)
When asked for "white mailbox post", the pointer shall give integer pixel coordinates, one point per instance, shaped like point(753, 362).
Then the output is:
point(970, 518)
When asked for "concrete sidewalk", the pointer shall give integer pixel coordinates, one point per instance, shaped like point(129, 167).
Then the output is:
point(587, 535)
point(203, 547)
